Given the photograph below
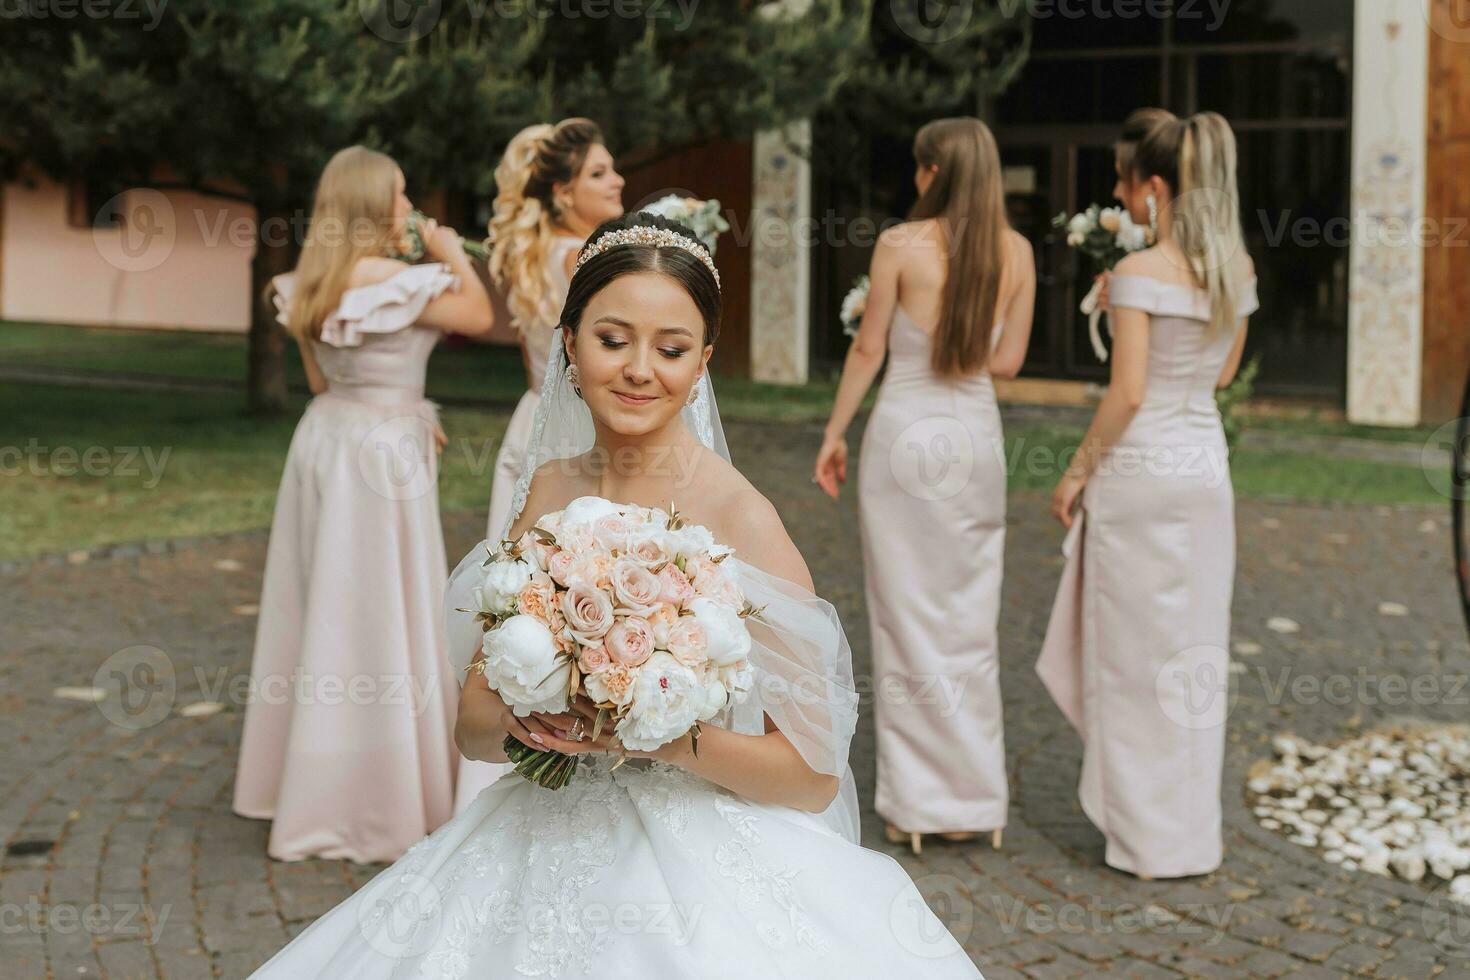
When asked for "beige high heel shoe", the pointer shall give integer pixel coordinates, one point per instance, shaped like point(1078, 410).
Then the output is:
point(963, 836)
point(914, 839)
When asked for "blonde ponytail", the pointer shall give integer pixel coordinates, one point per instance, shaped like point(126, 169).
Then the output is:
point(1196, 157)
point(523, 226)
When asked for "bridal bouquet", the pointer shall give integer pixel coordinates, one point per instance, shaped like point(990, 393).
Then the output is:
point(853, 305)
point(625, 605)
point(1105, 235)
point(414, 249)
point(701, 217)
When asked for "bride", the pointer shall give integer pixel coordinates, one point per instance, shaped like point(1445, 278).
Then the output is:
point(740, 861)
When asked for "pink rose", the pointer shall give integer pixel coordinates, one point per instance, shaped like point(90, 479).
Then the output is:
point(560, 566)
point(589, 613)
point(614, 683)
point(674, 587)
point(688, 641)
point(715, 584)
point(634, 586)
point(576, 538)
point(630, 641)
point(593, 659)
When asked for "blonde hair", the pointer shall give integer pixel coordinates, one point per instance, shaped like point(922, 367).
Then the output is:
point(968, 199)
point(351, 218)
point(1196, 157)
point(522, 230)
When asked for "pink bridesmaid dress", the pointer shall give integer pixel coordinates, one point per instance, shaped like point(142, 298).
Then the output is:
point(1136, 652)
point(348, 740)
point(932, 507)
point(475, 775)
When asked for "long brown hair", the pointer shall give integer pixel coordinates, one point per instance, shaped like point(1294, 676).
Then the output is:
point(967, 200)
point(351, 218)
point(1196, 157)
point(522, 228)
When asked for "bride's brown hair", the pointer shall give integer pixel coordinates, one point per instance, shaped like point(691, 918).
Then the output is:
point(968, 201)
point(680, 264)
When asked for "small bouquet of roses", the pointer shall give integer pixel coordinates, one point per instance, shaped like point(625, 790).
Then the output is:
point(413, 249)
point(1105, 235)
point(626, 605)
point(854, 304)
point(701, 217)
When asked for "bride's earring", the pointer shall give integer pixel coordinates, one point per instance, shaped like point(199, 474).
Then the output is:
point(1153, 218)
point(573, 378)
point(693, 393)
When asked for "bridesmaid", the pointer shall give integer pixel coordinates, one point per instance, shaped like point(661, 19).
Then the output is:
point(950, 303)
point(555, 185)
point(348, 740)
point(1135, 653)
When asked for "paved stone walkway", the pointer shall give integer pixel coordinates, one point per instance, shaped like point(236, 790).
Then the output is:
point(125, 861)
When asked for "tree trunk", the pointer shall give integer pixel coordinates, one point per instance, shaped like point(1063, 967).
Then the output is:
point(266, 378)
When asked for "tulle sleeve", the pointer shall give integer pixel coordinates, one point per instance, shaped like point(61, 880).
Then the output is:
point(803, 681)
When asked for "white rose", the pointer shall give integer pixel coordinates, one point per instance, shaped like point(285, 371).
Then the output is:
point(1080, 225)
point(521, 665)
point(586, 510)
point(727, 639)
point(667, 699)
point(1132, 237)
point(501, 582)
point(1075, 239)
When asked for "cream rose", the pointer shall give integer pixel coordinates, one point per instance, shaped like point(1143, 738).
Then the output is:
point(587, 510)
point(589, 613)
point(537, 597)
point(635, 588)
point(630, 641)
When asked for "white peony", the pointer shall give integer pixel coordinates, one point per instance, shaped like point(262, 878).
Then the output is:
point(586, 510)
point(501, 582)
point(715, 698)
point(521, 665)
point(1130, 236)
point(1080, 224)
point(667, 699)
point(727, 639)
point(690, 541)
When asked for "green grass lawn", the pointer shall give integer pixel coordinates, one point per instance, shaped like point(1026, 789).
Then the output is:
point(171, 465)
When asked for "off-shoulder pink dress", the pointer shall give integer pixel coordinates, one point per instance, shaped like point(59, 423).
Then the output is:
point(1136, 652)
point(348, 740)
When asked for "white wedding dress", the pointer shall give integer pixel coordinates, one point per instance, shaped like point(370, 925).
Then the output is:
point(648, 871)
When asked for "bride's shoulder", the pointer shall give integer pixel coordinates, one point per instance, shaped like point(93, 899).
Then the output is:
point(750, 524)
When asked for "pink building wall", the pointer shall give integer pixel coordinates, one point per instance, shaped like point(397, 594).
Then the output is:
point(181, 261)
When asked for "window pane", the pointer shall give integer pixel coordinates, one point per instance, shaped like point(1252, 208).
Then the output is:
point(1298, 85)
point(1199, 22)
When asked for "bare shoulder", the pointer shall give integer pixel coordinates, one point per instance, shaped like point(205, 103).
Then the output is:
point(753, 527)
point(909, 235)
point(1150, 263)
point(551, 489)
point(1018, 246)
point(373, 269)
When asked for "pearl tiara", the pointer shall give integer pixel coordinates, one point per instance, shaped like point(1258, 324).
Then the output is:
point(647, 235)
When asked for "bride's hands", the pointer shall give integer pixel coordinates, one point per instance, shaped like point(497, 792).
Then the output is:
point(831, 470)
